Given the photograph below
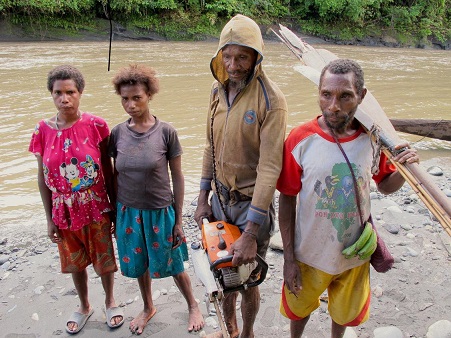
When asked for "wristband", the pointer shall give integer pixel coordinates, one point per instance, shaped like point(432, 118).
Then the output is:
point(250, 233)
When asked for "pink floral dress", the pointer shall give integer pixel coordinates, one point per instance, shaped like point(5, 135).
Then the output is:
point(71, 163)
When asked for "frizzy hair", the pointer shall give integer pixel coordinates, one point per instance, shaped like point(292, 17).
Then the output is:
point(65, 72)
point(344, 66)
point(134, 75)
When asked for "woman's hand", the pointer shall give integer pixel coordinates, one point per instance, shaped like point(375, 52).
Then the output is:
point(178, 237)
point(53, 232)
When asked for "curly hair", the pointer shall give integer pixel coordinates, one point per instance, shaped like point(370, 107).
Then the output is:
point(65, 72)
point(137, 74)
point(344, 66)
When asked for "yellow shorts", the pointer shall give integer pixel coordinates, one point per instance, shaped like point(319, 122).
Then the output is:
point(349, 295)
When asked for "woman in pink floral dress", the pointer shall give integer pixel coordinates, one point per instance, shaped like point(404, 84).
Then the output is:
point(73, 169)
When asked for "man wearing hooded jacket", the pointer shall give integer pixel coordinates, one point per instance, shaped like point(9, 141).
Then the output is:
point(243, 154)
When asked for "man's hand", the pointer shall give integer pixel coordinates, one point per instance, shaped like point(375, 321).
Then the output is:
point(53, 232)
point(408, 155)
point(292, 276)
point(244, 249)
point(203, 209)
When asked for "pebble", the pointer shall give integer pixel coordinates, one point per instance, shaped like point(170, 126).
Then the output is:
point(378, 292)
point(440, 329)
point(410, 210)
point(5, 266)
point(425, 306)
point(388, 332)
point(392, 228)
point(374, 195)
point(156, 294)
point(350, 333)
point(435, 171)
point(406, 227)
point(211, 321)
point(35, 316)
point(3, 259)
point(38, 290)
point(410, 252)
point(395, 209)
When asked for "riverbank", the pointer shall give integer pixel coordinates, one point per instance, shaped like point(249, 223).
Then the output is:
point(15, 33)
point(411, 300)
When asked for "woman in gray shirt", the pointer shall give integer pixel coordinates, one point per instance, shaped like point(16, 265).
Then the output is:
point(150, 239)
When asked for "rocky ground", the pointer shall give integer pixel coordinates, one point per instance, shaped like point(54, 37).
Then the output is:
point(411, 300)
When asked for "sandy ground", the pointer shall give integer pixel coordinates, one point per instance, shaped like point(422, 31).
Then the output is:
point(36, 299)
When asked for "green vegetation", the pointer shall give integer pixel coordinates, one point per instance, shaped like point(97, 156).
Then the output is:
point(408, 21)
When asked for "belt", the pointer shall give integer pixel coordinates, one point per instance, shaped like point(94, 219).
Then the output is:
point(231, 197)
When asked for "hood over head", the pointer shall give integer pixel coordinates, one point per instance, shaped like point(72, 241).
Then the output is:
point(240, 30)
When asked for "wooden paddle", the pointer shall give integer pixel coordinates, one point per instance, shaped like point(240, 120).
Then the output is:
point(371, 115)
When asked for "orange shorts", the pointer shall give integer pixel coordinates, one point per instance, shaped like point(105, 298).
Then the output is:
point(349, 295)
point(91, 244)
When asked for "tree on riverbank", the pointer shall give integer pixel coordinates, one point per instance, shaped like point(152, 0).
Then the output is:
point(404, 22)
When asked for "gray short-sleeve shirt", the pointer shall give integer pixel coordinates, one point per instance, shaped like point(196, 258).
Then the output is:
point(141, 161)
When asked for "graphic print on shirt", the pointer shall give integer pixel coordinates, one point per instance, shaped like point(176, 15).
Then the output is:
point(71, 172)
point(336, 198)
point(67, 144)
point(91, 169)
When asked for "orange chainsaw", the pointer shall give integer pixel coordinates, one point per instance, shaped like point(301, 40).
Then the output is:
point(212, 263)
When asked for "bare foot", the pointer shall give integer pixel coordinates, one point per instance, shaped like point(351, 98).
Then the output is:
point(196, 320)
point(138, 324)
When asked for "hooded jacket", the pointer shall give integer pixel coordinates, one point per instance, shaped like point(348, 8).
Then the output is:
point(248, 135)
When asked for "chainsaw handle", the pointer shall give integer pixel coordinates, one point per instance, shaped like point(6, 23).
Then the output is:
point(261, 262)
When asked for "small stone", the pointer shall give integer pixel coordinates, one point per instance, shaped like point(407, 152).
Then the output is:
point(350, 333)
point(211, 321)
point(378, 292)
point(38, 290)
point(425, 306)
point(3, 259)
point(5, 266)
point(440, 329)
point(392, 228)
point(410, 210)
point(388, 332)
point(435, 171)
point(156, 294)
point(35, 316)
point(410, 252)
point(394, 209)
point(406, 227)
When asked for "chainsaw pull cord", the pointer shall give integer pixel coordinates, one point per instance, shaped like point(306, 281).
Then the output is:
point(212, 144)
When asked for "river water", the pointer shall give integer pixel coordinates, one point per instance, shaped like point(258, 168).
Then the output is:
point(408, 83)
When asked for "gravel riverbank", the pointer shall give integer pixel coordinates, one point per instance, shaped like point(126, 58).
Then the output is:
point(411, 300)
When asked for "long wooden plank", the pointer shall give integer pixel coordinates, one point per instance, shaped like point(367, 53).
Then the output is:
point(370, 114)
point(439, 129)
